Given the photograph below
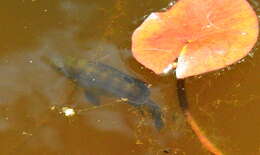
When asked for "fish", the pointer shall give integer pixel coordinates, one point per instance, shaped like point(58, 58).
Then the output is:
point(98, 79)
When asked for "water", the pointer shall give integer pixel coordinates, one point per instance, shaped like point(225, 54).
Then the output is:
point(32, 95)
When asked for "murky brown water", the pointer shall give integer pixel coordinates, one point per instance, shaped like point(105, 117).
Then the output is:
point(32, 95)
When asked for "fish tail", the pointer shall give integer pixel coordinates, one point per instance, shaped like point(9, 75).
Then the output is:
point(155, 110)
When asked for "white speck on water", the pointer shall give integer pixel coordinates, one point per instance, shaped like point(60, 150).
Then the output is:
point(26, 133)
point(30, 61)
point(68, 111)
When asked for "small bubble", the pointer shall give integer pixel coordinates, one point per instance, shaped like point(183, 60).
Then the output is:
point(171, 3)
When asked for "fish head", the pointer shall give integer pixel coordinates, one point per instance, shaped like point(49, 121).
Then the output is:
point(65, 65)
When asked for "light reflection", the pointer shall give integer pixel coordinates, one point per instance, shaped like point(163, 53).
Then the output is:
point(169, 68)
point(68, 111)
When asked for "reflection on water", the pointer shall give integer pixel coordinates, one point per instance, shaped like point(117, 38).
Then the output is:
point(33, 95)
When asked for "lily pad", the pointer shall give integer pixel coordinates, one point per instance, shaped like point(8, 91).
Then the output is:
point(199, 35)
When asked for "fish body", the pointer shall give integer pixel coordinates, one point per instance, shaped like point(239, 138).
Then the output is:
point(98, 79)
point(107, 79)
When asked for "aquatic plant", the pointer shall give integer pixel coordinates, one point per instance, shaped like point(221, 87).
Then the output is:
point(218, 32)
point(195, 37)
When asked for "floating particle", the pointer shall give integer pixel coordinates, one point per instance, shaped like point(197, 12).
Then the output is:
point(124, 99)
point(68, 111)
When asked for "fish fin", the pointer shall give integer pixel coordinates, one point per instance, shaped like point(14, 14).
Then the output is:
point(156, 113)
point(92, 97)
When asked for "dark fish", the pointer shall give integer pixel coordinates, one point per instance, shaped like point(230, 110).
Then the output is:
point(98, 79)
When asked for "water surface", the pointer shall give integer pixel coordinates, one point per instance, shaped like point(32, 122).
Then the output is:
point(33, 96)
